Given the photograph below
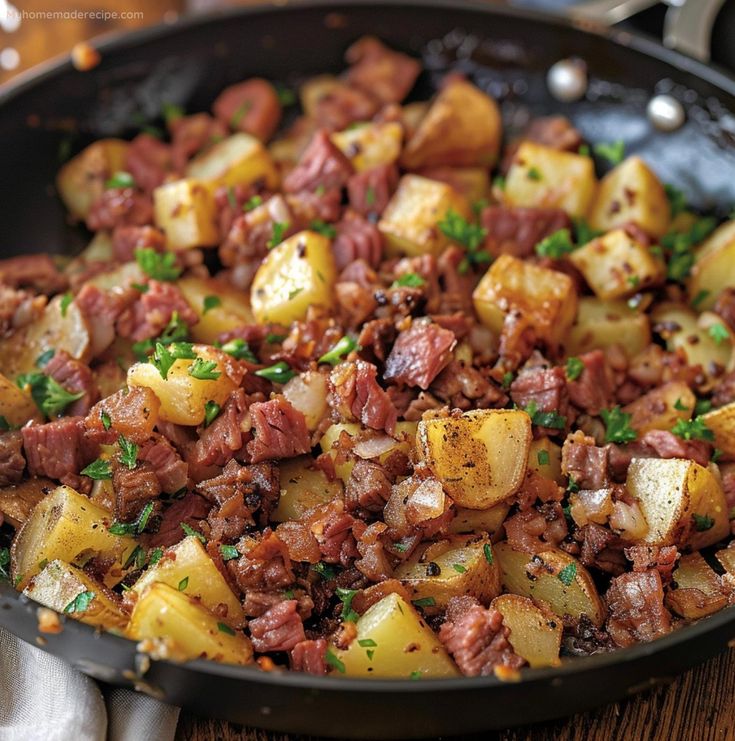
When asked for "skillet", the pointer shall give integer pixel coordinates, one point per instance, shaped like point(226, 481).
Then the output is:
point(507, 52)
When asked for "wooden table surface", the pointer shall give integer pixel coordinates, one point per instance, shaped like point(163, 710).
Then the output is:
point(698, 706)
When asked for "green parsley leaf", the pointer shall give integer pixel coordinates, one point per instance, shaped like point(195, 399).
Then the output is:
point(543, 457)
point(533, 173)
point(128, 452)
point(155, 557)
point(479, 206)
point(273, 338)
point(716, 455)
point(488, 551)
point(410, 280)
point(4, 563)
point(322, 227)
point(66, 300)
point(229, 552)
point(552, 420)
point(325, 570)
point(459, 568)
point(49, 396)
point(120, 179)
point(333, 661)
point(718, 333)
point(4, 424)
point(278, 373)
point(164, 357)
point(370, 653)
point(286, 96)
point(252, 203)
point(701, 296)
point(677, 199)
point(240, 113)
point(240, 350)
point(416, 674)
point(211, 410)
point(702, 522)
point(633, 280)
point(188, 530)
point(680, 407)
point(572, 485)
point(507, 379)
point(702, 407)
point(568, 574)
point(157, 265)
point(346, 596)
point(499, 182)
point(171, 112)
point(574, 368)
point(183, 584)
point(613, 152)
point(210, 302)
point(44, 357)
point(424, 602)
point(294, 293)
point(556, 245)
point(470, 236)
point(366, 643)
point(693, 429)
point(279, 229)
point(343, 347)
point(617, 426)
point(583, 232)
point(105, 418)
point(204, 370)
point(584, 150)
point(224, 628)
point(80, 603)
point(98, 470)
point(370, 196)
point(679, 247)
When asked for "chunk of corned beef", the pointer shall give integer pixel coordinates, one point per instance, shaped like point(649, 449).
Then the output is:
point(12, 462)
point(593, 390)
point(133, 413)
point(118, 207)
point(477, 639)
point(724, 392)
point(250, 106)
point(537, 528)
point(667, 445)
point(171, 471)
point(322, 165)
point(556, 132)
point(545, 387)
point(419, 354)
point(191, 134)
point(308, 206)
point(77, 378)
point(462, 386)
point(279, 431)
point(134, 488)
point(225, 437)
point(34, 272)
point(368, 487)
point(101, 310)
point(265, 565)
point(149, 161)
point(635, 602)
point(310, 657)
point(584, 462)
point(54, 449)
point(279, 629)
point(18, 308)
point(516, 230)
point(370, 191)
point(601, 549)
point(355, 304)
point(190, 510)
point(342, 105)
point(620, 456)
point(649, 557)
point(127, 239)
point(332, 528)
point(357, 239)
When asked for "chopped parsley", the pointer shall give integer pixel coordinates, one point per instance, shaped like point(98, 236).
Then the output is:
point(80, 603)
point(633, 280)
point(556, 245)
point(568, 574)
point(252, 203)
point(240, 350)
point(572, 485)
point(66, 300)
point(99, 470)
point(272, 338)
point(279, 229)
point(534, 173)
point(479, 206)
point(613, 152)
point(278, 373)
point(617, 426)
point(459, 568)
point(171, 112)
point(333, 661)
point(584, 150)
point(229, 552)
point(240, 113)
point(370, 196)
point(507, 380)
point(163, 357)
point(718, 333)
point(680, 407)
point(128, 452)
point(416, 674)
point(488, 551)
point(133, 528)
point(346, 596)
point(204, 370)
point(4, 563)
point(367, 643)
point(4, 424)
point(693, 429)
point(409, 280)
point(286, 96)
point(702, 406)
point(44, 357)
point(343, 347)
point(211, 410)
point(543, 457)
point(210, 302)
point(701, 296)
point(424, 602)
point(156, 556)
point(183, 584)
point(702, 522)
point(574, 368)
point(157, 265)
point(175, 331)
point(224, 628)
point(470, 236)
point(716, 455)
point(499, 182)
point(120, 179)
point(679, 247)
point(50, 397)
point(552, 420)
point(188, 530)
point(105, 419)
point(583, 232)
point(677, 199)
point(322, 227)
point(294, 293)
point(325, 570)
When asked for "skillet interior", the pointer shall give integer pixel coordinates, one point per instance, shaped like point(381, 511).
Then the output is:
point(188, 64)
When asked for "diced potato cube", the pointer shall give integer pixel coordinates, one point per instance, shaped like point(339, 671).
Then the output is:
point(479, 457)
point(722, 422)
point(394, 641)
point(560, 580)
point(18, 500)
point(488, 521)
point(69, 527)
point(188, 568)
point(546, 298)
point(615, 265)
point(81, 181)
point(185, 210)
point(661, 408)
point(175, 626)
point(473, 183)
point(535, 633)
point(698, 591)
point(120, 276)
point(631, 192)
point(314, 89)
point(544, 457)
point(239, 159)
point(714, 266)
point(16, 406)
point(296, 274)
point(600, 324)
point(183, 397)
point(233, 309)
point(303, 487)
point(370, 145)
point(461, 566)
point(59, 584)
point(410, 221)
point(726, 557)
point(461, 128)
point(683, 503)
point(548, 178)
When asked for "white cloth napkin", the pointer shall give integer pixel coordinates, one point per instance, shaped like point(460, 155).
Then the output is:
point(43, 697)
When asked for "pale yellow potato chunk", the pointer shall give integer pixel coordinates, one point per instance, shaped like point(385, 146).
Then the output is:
point(69, 527)
point(186, 212)
point(698, 591)
point(547, 178)
point(714, 266)
point(561, 581)
point(410, 222)
point(465, 566)
point(535, 633)
point(682, 502)
point(480, 457)
point(488, 521)
point(600, 324)
point(722, 422)
point(546, 298)
point(120, 276)
point(370, 145)
point(544, 457)
point(188, 567)
point(81, 181)
point(239, 159)
point(172, 625)
point(183, 397)
point(657, 410)
point(303, 487)
point(631, 192)
point(461, 128)
point(296, 274)
point(615, 265)
point(16, 405)
point(60, 583)
point(232, 311)
point(396, 642)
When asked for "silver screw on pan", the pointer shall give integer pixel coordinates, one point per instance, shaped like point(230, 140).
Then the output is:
point(666, 113)
point(567, 80)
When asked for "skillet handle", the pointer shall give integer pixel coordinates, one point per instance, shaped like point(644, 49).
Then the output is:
point(687, 26)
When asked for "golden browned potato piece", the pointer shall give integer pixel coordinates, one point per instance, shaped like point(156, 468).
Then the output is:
point(547, 178)
point(473, 183)
point(560, 580)
point(394, 641)
point(488, 521)
point(631, 192)
point(714, 266)
point(186, 212)
point(546, 298)
point(461, 128)
point(544, 457)
point(615, 265)
point(722, 422)
point(696, 590)
point(59, 586)
point(16, 406)
point(303, 487)
point(371, 144)
point(67, 526)
point(410, 221)
point(479, 457)
point(535, 633)
point(661, 408)
point(726, 557)
point(172, 625)
point(295, 275)
point(683, 503)
point(451, 568)
point(18, 500)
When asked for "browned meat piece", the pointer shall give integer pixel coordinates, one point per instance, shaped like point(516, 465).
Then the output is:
point(191, 134)
point(127, 239)
point(355, 303)
point(725, 306)
point(332, 527)
point(119, 207)
point(279, 629)
point(251, 106)
point(131, 414)
point(462, 386)
point(310, 657)
point(134, 488)
point(149, 161)
point(724, 391)
point(513, 230)
point(18, 309)
point(537, 528)
point(101, 310)
point(308, 206)
point(370, 190)
point(419, 354)
point(171, 471)
point(648, 557)
point(54, 449)
point(545, 387)
point(368, 487)
point(76, 378)
point(374, 562)
point(34, 272)
point(667, 445)
point(279, 431)
point(12, 462)
point(383, 73)
point(601, 548)
point(322, 166)
point(190, 510)
point(584, 462)
point(357, 239)
point(594, 388)
point(342, 105)
point(265, 564)
point(376, 337)
point(225, 437)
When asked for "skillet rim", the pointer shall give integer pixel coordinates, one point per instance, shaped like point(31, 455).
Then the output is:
point(627, 40)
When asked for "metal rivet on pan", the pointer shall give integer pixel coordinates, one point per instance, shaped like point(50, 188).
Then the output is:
point(567, 79)
point(666, 113)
